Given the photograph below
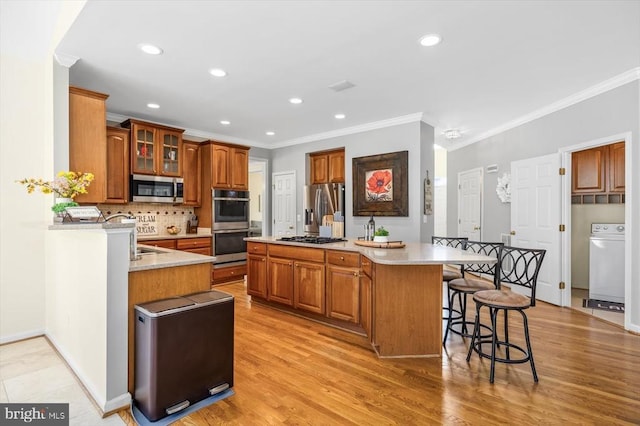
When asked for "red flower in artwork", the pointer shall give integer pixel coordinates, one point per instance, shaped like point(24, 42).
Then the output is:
point(379, 181)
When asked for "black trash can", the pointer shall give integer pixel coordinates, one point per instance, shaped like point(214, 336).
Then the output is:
point(184, 351)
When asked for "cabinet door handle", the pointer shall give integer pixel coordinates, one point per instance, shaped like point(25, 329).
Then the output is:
point(341, 257)
point(264, 260)
point(355, 273)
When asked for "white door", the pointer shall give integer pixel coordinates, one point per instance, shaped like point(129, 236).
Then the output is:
point(470, 204)
point(536, 218)
point(284, 204)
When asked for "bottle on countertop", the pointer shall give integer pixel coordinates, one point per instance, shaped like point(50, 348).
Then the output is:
point(371, 228)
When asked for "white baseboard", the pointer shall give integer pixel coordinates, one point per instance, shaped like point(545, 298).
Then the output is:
point(21, 336)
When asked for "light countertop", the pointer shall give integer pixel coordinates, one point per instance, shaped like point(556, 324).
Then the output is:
point(412, 254)
point(167, 258)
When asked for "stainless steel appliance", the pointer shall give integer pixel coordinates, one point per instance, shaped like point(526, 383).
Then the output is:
point(156, 189)
point(184, 351)
point(606, 262)
point(230, 225)
point(230, 209)
point(321, 200)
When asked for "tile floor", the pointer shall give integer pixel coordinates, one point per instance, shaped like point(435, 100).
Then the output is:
point(32, 371)
point(578, 295)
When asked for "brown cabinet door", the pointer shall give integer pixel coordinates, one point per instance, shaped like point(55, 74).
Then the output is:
point(319, 168)
point(220, 162)
point(143, 149)
point(170, 244)
point(169, 153)
point(308, 284)
point(588, 170)
point(257, 276)
point(239, 169)
point(280, 281)
point(365, 304)
point(191, 169)
point(343, 293)
point(87, 141)
point(117, 165)
point(336, 167)
point(616, 167)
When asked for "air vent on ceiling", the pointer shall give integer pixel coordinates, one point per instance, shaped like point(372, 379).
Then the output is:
point(341, 85)
point(492, 168)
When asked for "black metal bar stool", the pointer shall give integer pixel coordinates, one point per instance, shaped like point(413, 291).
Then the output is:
point(448, 274)
point(461, 287)
point(518, 266)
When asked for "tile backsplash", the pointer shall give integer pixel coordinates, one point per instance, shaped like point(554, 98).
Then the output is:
point(165, 214)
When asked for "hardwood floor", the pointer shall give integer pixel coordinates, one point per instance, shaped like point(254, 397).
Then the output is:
point(290, 370)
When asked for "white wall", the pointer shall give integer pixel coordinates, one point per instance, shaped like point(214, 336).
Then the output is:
point(404, 137)
point(29, 31)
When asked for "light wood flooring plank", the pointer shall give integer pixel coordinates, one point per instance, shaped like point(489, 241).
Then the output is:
point(290, 370)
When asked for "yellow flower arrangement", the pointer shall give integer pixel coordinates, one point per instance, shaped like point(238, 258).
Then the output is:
point(67, 184)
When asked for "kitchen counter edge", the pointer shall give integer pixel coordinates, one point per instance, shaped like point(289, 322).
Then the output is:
point(167, 258)
point(411, 254)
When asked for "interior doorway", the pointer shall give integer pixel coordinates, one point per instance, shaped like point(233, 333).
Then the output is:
point(470, 185)
point(579, 212)
point(258, 217)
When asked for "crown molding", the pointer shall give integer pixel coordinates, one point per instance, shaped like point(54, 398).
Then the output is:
point(119, 118)
point(590, 92)
point(410, 118)
point(65, 60)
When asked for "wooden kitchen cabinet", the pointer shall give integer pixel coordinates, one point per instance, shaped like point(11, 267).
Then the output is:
point(616, 167)
point(230, 167)
point(257, 275)
point(588, 170)
point(343, 286)
point(155, 149)
point(226, 274)
point(191, 170)
point(366, 292)
point(117, 165)
point(327, 167)
point(295, 270)
point(598, 175)
point(309, 287)
point(169, 243)
point(216, 168)
point(280, 282)
point(199, 245)
point(88, 141)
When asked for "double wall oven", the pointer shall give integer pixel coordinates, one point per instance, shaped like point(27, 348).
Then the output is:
point(230, 226)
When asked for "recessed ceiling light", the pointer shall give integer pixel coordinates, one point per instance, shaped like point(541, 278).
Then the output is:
point(225, 122)
point(150, 49)
point(430, 40)
point(452, 133)
point(269, 133)
point(154, 106)
point(295, 101)
point(217, 72)
point(339, 116)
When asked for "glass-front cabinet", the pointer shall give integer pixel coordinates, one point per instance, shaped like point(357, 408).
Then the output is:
point(155, 149)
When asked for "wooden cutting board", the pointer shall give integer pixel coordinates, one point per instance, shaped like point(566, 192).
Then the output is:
point(373, 244)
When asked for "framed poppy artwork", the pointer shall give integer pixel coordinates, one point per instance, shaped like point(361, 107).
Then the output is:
point(380, 185)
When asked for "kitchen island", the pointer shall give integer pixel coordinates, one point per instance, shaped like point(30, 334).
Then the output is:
point(393, 296)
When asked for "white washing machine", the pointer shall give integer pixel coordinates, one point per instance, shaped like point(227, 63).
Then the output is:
point(606, 262)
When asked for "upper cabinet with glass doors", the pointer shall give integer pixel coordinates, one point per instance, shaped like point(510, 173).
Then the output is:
point(155, 149)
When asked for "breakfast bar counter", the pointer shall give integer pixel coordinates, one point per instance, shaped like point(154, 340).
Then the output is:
point(393, 296)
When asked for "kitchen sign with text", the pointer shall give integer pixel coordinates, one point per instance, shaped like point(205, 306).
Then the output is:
point(146, 224)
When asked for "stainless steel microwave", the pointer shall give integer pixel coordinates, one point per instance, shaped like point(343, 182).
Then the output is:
point(156, 189)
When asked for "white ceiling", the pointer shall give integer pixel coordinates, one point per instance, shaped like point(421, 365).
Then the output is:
point(499, 61)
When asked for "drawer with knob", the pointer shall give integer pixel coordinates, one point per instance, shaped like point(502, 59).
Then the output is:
point(193, 243)
point(343, 258)
point(256, 248)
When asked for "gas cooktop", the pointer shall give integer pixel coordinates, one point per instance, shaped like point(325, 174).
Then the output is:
point(311, 239)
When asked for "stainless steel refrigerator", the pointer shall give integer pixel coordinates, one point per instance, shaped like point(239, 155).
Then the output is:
point(321, 200)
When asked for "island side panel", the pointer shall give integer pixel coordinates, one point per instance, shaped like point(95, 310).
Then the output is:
point(408, 310)
point(162, 283)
